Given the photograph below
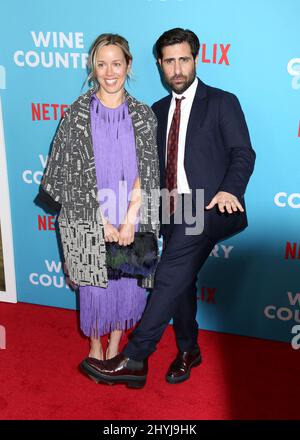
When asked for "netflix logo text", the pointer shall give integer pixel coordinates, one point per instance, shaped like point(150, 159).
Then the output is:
point(215, 54)
point(292, 251)
point(47, 112)
point(207, 294)
point(46, 222)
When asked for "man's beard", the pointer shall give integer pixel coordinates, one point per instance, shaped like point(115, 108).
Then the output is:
point(181, 88)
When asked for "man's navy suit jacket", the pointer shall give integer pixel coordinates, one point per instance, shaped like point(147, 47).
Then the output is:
point(218, 154)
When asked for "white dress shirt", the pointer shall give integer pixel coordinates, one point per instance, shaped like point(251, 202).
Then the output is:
point(186, 105)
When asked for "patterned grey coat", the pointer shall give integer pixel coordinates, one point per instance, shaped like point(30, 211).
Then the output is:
point(70, 179)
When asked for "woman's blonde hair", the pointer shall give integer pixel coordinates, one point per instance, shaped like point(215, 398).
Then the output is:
point(105, 40)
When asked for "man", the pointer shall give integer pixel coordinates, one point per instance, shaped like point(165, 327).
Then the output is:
point(203, 142)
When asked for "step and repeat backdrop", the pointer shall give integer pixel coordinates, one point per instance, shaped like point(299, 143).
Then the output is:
point(250, 284)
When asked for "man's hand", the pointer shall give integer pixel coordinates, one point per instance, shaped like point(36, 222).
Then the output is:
point(126, 234)
point(225, 201)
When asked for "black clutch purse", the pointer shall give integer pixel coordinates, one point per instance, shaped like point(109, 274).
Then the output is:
point(138, 260)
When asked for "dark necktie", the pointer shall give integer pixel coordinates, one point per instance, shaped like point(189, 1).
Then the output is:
point(172, 156)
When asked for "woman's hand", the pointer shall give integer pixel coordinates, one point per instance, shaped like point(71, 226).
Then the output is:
point(111, 233)
point(127, 227)
point(126, 234)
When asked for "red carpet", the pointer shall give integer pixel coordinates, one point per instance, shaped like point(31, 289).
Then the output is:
point(241, 378)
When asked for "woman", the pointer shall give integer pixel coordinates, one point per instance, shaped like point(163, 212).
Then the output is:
point(105, 147)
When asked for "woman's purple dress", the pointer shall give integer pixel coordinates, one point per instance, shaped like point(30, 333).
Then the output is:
point(121, 304)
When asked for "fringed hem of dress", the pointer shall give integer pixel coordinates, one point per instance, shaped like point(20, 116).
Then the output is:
point(118, 307)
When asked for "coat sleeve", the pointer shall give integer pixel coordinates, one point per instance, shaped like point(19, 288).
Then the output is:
point(155, 172)
point(53, 178)
point(237, 142)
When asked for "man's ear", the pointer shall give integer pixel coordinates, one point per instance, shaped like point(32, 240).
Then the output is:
point(159, 61)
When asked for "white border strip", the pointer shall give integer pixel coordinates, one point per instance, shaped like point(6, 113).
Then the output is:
point(10, 294)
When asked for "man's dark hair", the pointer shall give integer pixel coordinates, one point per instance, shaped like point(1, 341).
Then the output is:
point(177, 36)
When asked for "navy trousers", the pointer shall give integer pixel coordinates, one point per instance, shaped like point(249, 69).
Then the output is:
point(174, 294)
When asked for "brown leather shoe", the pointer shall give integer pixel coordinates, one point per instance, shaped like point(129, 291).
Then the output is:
point(119, 369)
point(180, 368)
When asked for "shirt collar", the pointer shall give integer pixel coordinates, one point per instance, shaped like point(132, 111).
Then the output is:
point(189, 93)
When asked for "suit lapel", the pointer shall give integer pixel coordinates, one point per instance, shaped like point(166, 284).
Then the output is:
point(163, 125)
